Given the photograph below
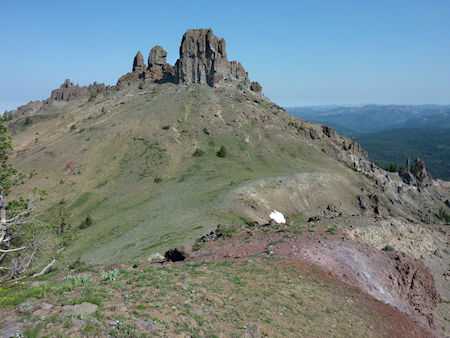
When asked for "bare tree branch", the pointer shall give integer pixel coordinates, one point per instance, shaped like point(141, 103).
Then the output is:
point(13, 250)
point(44, 270)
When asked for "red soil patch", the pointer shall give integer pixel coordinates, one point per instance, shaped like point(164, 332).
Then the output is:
point(390, 277)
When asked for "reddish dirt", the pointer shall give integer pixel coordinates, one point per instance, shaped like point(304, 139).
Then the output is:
point(69, 166)
point(394, 278)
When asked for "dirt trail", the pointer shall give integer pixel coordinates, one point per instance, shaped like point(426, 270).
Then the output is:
point(391, 277)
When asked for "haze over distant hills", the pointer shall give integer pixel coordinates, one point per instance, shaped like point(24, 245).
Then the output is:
point(372, 118)
point(391, 133)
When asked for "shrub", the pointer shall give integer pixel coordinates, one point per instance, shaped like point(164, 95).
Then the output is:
point(198, 153)
point(295, 125)
point(26, 307)
point(92, 97)
point(28, 121)
point(391, 167)
point(79, 279)
point(222, 152)
point(332, 230)
point(73, 127)
point(111, 275)
point(198, 246)
point(443, 215)
point(87, 222)
point(388, 248)
point(167, 127)
point(228, 230)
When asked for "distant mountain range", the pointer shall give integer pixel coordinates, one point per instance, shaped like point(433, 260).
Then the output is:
point(349, 121)
point(391, 133)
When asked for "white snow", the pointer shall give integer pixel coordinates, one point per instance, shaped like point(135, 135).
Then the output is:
point(277, 217)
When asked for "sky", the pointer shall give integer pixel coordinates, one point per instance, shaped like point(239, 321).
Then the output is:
point(315, 52)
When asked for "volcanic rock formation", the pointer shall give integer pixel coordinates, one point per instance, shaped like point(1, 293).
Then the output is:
point(68, 91)
point(158, 68)
point(416, 175)
point(203, 59)
point(138, 63)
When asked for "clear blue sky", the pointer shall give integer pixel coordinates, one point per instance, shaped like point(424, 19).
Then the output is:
point(302, 52)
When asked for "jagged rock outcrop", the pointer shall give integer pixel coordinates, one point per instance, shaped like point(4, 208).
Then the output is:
point(256, 87)
point(157, 57)
point(158, 68)
point(138, 63)
point(203, 60)
point(422, 176)
point(137, 73)
point(68, 91)
point(416, 175)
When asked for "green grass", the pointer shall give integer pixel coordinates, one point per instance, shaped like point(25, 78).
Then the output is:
point(143, 186)
point(208, 298)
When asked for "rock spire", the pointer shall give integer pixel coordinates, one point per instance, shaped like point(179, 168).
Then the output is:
point(203, 60)
point(138, 63)
point(416, 175)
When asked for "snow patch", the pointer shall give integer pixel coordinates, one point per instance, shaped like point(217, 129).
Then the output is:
point(277, 217)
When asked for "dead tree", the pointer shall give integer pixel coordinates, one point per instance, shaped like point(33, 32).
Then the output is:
point(19, 235)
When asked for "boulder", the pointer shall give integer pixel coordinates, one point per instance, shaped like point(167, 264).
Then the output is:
point(146, 326)
point(11, 329)
point(78, 309)
point(180, 253)
point(252, 331)
point(156, 258)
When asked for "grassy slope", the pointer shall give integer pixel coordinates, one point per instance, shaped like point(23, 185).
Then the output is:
point(107, 164)
point(212, 299)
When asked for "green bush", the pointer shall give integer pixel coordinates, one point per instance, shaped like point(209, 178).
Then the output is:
point(198, 246)
point(79, 279)
point(111, 275)
point(92, 97)
point(388, 248)
point(295, 125)
point(332, 230)
point(28, 121)
point(87, 222)
point(167, 127)
point(443, 215)
point(222, 152)
point(198, 153)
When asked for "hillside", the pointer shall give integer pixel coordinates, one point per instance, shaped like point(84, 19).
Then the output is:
point(172, 151)
point(394, 146)
point(392, 133)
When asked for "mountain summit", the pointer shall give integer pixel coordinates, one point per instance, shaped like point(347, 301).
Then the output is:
point(170, 152)
point(203, 60)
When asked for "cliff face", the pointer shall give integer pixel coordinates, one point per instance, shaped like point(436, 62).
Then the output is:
point(203, 60)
